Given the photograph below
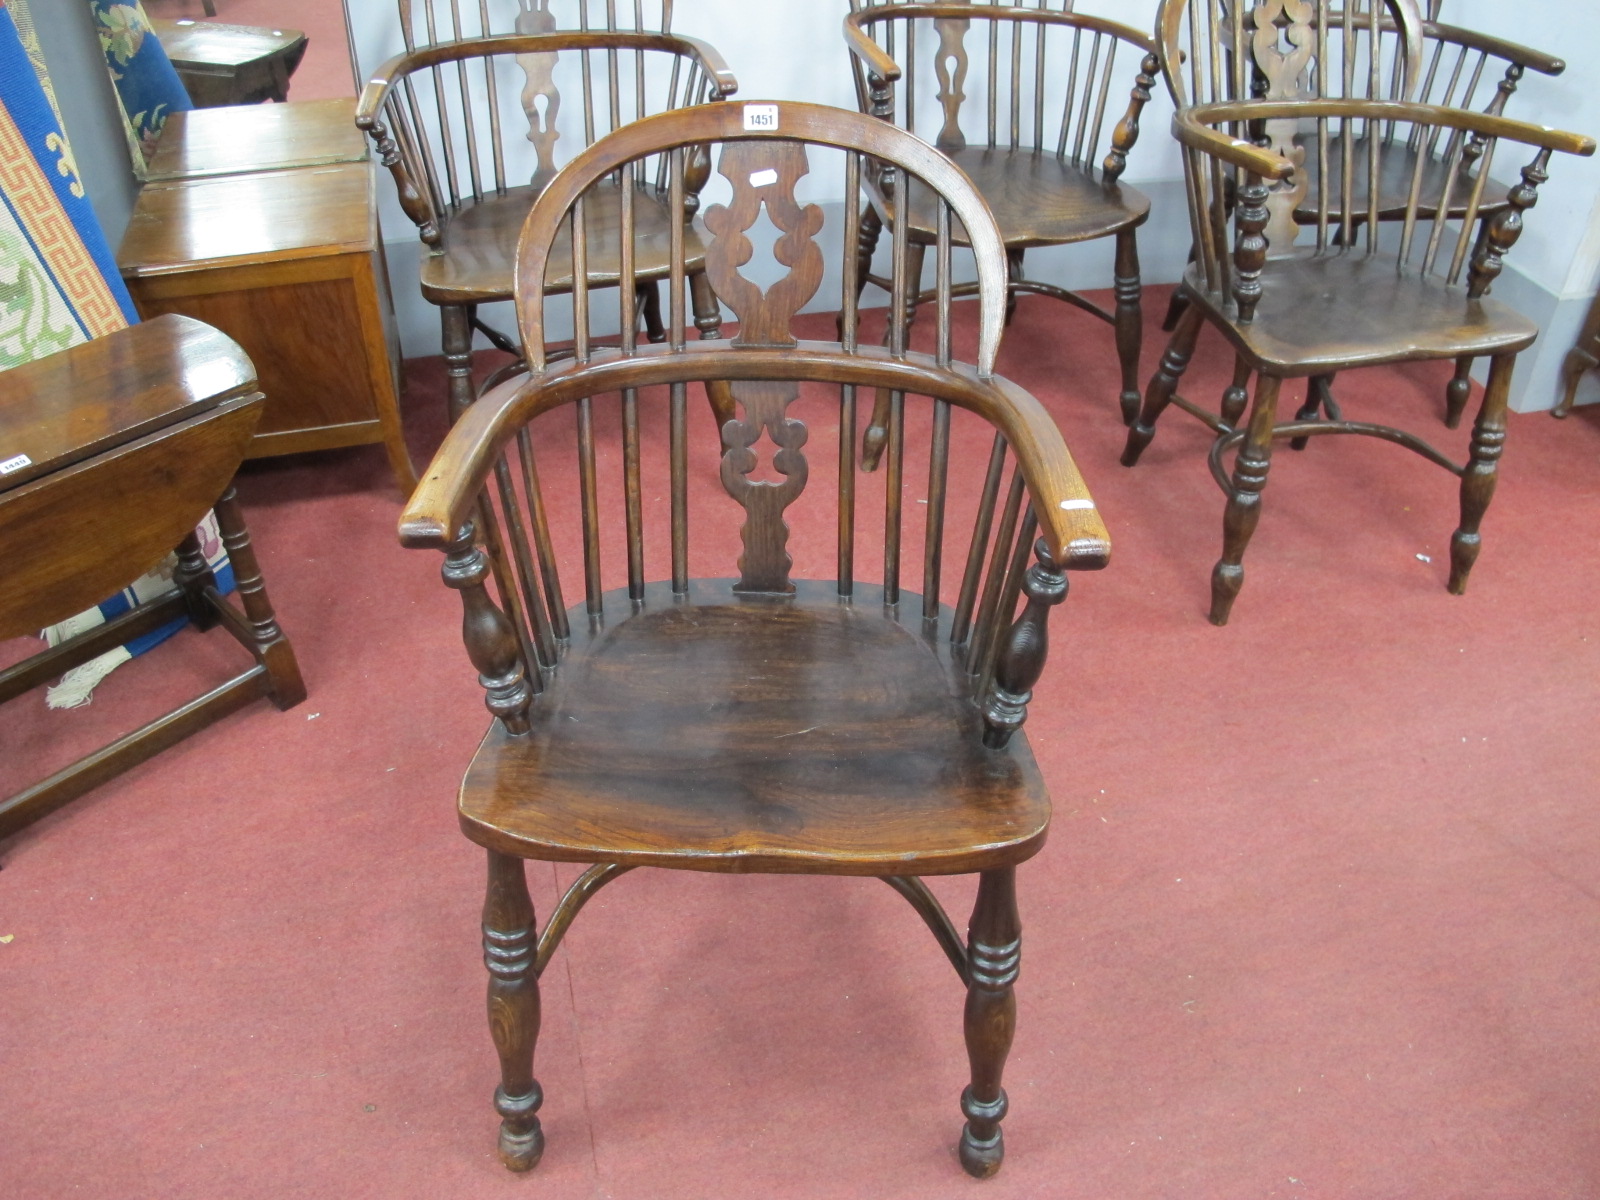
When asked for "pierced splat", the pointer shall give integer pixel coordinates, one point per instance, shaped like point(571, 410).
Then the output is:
point(1282, 42)
point(951, 68)
point(764, 173)
point(534, 17)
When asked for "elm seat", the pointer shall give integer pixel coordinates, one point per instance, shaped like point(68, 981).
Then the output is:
point(480, 244)
point(1400, 317)
point(1037, 198)
point(754, 733)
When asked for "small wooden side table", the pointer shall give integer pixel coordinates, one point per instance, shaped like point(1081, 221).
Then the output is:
point(110, 454)
point(259, 137)
point(288, 264)
point(1585, 356)
point(231, 64)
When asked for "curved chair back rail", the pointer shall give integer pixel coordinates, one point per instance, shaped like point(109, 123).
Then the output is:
point(431, 22)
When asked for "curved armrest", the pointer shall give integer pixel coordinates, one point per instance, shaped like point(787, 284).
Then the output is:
point(1068, 519)
point(871, 55)
point(1522, 56)
point(1190, 127)
point(711, 62)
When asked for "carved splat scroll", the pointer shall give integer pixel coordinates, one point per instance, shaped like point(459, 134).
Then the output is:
point(950, 65)
point(1282, 42)
point(533, 17)
point(764, 173)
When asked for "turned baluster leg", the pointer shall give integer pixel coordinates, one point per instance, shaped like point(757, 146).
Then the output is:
point(271, 647)
point(1244, 500)
point(1237, 394)
point(650, 306)
point(1130, 320)
point(1013, 277)
point(994, 955)
point(456, 320)
point(1483, 467)
point(877, 434)
point(1457, 391)
point(193, 576)
point(510, 940)
point(1162, 385)
point(708, 320)
point(1318, 392)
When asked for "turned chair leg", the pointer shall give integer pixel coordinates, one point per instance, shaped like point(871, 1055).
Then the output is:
point(193, 576)
point(994, 955)
point(1483, 467)
point(1163, 384)
point(1013, 277)
point(649, 295)
point(708, 320)
point(266, 637)
point(1130, 320)
point(509, 945)
point(1237, 394)
point(1319, 392)
point(877, 435)
point(1573, 367)
point(1244, 498)
point(456, 320)
point(1457, 391)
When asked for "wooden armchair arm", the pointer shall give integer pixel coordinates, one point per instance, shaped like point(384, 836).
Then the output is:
point(1068, 519)
point(1192, 127)
point(1522, 56)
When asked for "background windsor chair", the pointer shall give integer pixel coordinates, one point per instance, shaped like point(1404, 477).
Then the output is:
point(1365, 50)
point(431, 22)
point(1051, 85)
point(444, 119)
point(765, 723)
point(1392, 295)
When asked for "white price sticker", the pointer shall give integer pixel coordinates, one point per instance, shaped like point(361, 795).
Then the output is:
point(761, 116)
point(761, 179)
point(15, 464)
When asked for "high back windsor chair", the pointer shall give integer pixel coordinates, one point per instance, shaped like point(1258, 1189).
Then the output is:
point(1396, 292)
point(767, 722)
point(1366, 50)
point(472, 130)
point(1055, 99)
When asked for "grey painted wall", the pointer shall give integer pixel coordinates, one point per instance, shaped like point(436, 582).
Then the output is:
point(88, 109)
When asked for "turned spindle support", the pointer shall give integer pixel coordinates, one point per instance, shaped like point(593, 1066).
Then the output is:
point(1250, 247)
point(1127, 130)
point(1506, 227)
point(491, 642)
point(1021, 658)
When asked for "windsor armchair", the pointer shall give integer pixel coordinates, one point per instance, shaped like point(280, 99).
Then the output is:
point(442, 118)
point(1367, 50)
point(1394, 295)
point(1033, 150)
point(768, 722)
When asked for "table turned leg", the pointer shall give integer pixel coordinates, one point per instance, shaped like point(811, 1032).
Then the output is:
point(509, 944)
point(1244, 499)
point(994, 955)
point(269, 643)
point(1482, 470)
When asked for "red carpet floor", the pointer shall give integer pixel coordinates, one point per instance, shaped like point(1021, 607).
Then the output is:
point(1319, 916)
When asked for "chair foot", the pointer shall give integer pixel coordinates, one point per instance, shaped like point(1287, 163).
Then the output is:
point(981, 1157)
point(521, 1136)
point(1226, 580)
point(1243, 510)
point(1464, 549)
point(1163, 384)
point(1457, 392)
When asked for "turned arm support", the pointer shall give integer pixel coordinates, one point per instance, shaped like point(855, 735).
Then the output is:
point(1127, 130)
point(1502, 230)
point(491, 642)
point(1022, 655)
